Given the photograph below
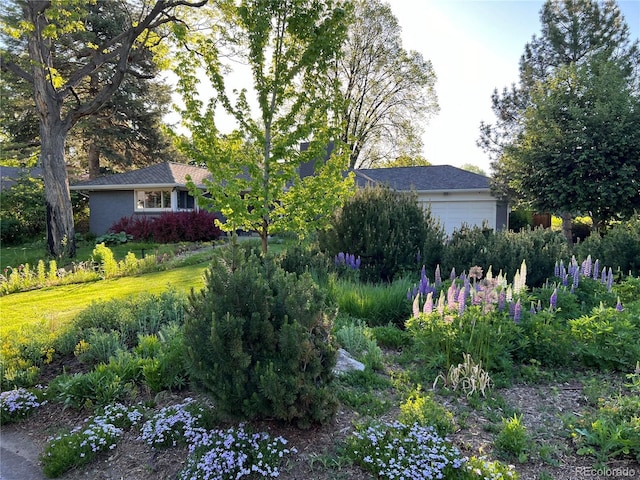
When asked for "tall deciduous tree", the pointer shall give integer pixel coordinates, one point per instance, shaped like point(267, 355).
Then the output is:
point(46, 26)
point(125, 132)
point(573, 34)
point(388, 92)
point(255, 170)
point(579, 149)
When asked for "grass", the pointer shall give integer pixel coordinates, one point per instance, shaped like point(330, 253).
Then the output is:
point(60, 304)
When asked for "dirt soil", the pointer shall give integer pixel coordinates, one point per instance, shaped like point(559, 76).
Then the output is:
point(541, 406)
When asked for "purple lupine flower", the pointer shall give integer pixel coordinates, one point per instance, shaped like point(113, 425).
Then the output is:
point(437, 274)
point(576, 278)
point(502, 297)
point(556, 270)
point(358, 262)
point(512, 309)
point(462, 301)
point(596, 269)
point(553, 300)
point(610, 280)
point(532, 310)
point(565, 279)
point(619, 306)
point(409, 296)
point(452, 276)
point(603, 276)
point(586, 266)
point(341, 257)
point(517, 312)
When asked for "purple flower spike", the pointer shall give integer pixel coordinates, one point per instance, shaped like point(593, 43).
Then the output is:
point(453, 274)
point(502, 298)
point(556, 270)
point(619, 306)
point(533, 310)
point(553, 301)
point(438, 278)
point(596, 269)
point(517, 312)
point(462, 301)
point(610, 280)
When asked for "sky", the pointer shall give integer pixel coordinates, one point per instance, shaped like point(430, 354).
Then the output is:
point(475, 47)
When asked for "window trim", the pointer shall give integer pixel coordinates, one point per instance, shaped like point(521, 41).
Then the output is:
point(163, 191)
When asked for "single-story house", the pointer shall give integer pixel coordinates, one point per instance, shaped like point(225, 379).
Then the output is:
point(149, 191)
point(10, 175)
point(454, 195)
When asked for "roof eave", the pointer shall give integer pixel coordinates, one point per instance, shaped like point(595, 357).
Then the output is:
point(132, 186)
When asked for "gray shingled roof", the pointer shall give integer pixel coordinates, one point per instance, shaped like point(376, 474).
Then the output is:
point(161, 174)
point(435, 177)
point(9, 175)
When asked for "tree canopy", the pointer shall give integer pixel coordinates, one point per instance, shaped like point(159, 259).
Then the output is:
point(256, 169)
point(565, 137)
point(93, 63)
point(388, 92)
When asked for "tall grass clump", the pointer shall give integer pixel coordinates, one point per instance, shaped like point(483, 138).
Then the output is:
point(377, 304)
point(388, 230)
point(259, 341)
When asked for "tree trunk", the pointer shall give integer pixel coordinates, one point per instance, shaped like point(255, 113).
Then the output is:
point(93, 158)
point(567, 219)
point(60, 227)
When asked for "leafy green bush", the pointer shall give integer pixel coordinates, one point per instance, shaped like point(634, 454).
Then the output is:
point(619, 247)
point(164, 367)
point(302, 258)
point(258, 341)
point(545, 339)
point(421, 408)
point(99, 346)
point(505, 250)
point(388, 230)
point(512, 439)
point(106, 261)
point(357, 339)
point(22, 211)
point(390, 336)
point(608, 339)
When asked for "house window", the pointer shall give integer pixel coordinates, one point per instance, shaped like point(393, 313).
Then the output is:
point(153, 199)
point(185, 201)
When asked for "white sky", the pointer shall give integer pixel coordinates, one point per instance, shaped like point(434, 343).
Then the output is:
point(475, 47)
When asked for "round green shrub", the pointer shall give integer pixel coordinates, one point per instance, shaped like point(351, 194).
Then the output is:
point(388, 230)
point(258, 341)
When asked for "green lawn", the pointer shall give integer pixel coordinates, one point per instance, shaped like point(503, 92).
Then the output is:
point(57, 305)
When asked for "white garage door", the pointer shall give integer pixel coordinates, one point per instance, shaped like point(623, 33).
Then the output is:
point(453, 214)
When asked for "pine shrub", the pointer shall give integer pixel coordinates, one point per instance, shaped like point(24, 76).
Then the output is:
point(388, 230)
point(258, 341)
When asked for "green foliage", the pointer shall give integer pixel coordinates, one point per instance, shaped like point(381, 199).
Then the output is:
point(78, 447)
point(513, 439)
point(520, 219)
point(114, 238)
point(378, 304)
point(505, 250)
point(545, 339)
point(290, 48)
point(618, 247)
point(390, 336)
point(364, 391)
point(100, 387)
point(301, 258)
point(165, 364)
point(103, 256)
point(99, 346)
point(628, 291)
point(388, 230)
point(358, 340)
point(22, 211)
point(607, 339)
point(442, 341)
point(421, 408)
point(258, 341)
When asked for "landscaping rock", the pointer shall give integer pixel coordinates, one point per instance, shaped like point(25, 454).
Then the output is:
point(346, 363)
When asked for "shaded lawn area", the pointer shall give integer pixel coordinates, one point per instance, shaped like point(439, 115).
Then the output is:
point(58, 305)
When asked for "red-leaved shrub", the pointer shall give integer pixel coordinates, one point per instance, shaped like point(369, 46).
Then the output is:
point(170, 227)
